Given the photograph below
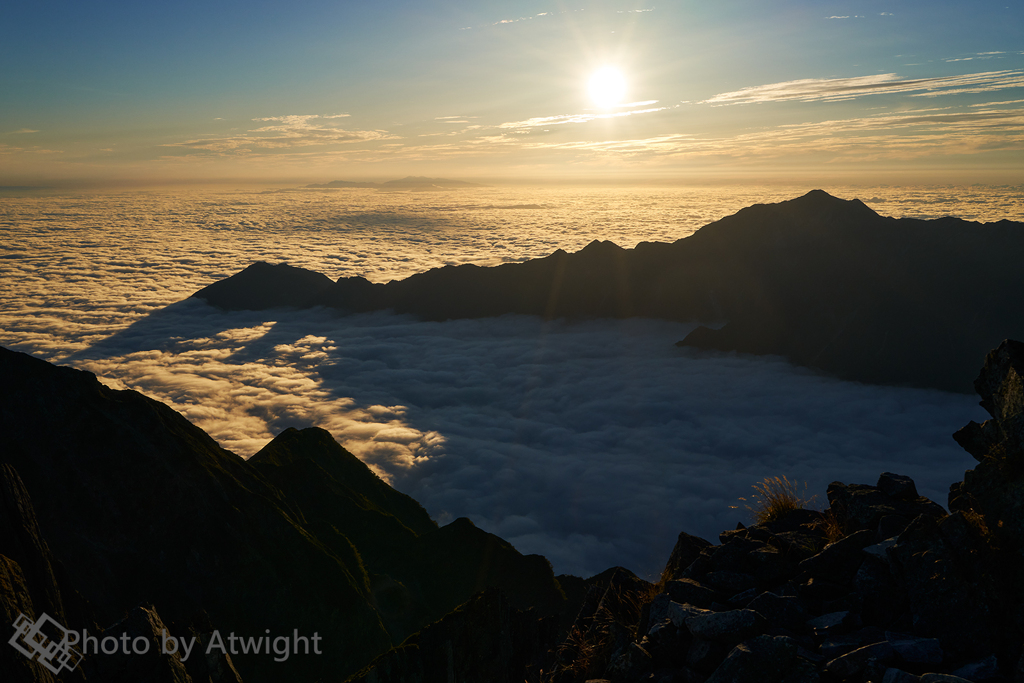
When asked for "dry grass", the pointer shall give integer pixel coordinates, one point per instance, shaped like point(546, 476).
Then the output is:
point(774, 497)
point(833, 524)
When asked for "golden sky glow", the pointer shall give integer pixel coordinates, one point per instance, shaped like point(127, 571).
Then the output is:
point(602, 89)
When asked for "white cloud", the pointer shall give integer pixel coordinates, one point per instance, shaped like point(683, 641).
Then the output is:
point(540, 121)
point(284, 133)
point(593, 443)
point(837, 89)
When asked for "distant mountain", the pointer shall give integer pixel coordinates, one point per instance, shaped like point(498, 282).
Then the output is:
point(825, 282)
point(407, 183)
point(118, 515)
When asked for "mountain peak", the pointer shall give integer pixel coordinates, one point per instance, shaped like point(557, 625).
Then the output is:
point(266, 285)
point(819, 200)
point(601, 247)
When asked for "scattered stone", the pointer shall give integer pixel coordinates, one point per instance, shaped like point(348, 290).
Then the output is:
point(686, 550)
point(897, 486)
point(899, 676)
point(779, 611)
point(743, 599)
point(838, 561)
point(852, 663)
point(914, 650)
point(764, 659)
point(881, 549)
point(731, 582)
point(692, 592)
point(983, 670)
point(679, 613)
point(706, 655)
point(840, 645)
point(828, 622)
point(732, 626)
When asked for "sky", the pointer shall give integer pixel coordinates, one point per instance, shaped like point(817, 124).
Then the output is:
point(311, 91)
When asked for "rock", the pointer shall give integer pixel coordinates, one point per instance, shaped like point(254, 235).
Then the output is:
point(881, 549)
point(820, 590)
point(741, 600)
point(880, 597)
point(942, 678)
point(705, 655)
point(838, 562)
point(691, 592)
point(673, 675)
point(764, 659)
point(836, 646)
point(654, 612)
point(686, 550)
point(666, 644)
point(732, 626)
point(948, 599)
point(780, 612)
point(486, 639)
point(863, 507)
point(853, 663)
point(983, 670)
point(914, 650)
point(731, 582)
point(632, 664)
point(680, 613)
point(897, 486)
point(891, 526)
point(829, 623)
point(145, 662)
point(899, 676)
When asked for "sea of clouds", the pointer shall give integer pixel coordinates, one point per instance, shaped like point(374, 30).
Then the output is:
point(593, 443)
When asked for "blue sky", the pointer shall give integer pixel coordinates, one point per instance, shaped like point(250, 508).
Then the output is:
point(323, 90)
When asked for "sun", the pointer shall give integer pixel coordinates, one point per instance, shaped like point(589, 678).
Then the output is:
point(607, 87)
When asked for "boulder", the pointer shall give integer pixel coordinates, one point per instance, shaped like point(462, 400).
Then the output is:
point(914, 650)
point(780, 612)
point(732, 626)
point(686, 550)
point(764, 659)
point(864, 507)
point(691, 592)
point(853, 663)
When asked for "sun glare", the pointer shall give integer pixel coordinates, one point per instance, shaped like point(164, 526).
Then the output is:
point(607, 87)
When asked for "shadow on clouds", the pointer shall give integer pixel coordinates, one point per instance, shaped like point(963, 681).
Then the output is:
point(592, 443)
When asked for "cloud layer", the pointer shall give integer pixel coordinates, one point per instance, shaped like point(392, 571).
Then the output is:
point(592, 443)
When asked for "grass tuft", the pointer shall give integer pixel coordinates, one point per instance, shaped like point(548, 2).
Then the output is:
point(774, 498)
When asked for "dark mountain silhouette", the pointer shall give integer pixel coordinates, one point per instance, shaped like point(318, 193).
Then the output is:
point(116, 512)
point(825, 282)
point(120, 517)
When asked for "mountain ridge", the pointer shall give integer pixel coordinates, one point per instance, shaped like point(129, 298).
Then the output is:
point(825, 282)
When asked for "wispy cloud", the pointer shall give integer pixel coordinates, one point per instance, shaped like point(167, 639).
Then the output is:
point(907, 135)
point(540, 121)
point(837, 89)
point(284, 132)
point(22, 131)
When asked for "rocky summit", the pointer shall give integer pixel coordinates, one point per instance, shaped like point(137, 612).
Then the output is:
point(123, 522)
point(882, 586)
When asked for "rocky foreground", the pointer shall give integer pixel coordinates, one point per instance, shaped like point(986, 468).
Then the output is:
point(119, 517)
point(884, 586)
